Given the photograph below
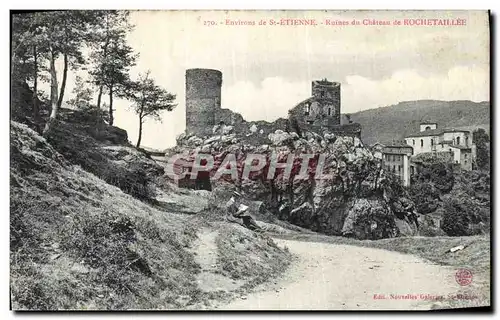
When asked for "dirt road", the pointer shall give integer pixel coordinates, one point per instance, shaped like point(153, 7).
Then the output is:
point(336, 277)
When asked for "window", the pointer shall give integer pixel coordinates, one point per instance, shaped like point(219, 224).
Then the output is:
point(421, 142)
point(466, 141)
point(399, 168)
point(413, 141)
point(307, 109)
point(393, 168)
point(458, 140)
point(329, 111)
point(465, 155)
point(427, 128)
point(432, 142)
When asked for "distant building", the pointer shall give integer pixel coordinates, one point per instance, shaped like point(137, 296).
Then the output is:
point(431, 139)
point(395, 159)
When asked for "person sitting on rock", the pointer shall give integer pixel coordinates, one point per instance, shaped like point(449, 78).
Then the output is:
point(236, 210)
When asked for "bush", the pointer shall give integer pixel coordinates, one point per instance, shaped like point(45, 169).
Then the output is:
point(425, 196)
point(440, 174)
point(463, 217)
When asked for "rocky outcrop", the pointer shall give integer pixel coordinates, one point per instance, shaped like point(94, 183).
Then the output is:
point(357, 199)
point(369, 219)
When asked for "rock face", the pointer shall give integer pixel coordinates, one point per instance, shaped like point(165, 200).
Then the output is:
point(344, 190)
point(369, 219)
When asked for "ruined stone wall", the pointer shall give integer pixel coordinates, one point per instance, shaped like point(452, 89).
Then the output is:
point(203, 100)
point(328, 96)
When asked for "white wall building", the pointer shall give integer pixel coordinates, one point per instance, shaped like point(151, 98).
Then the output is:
point(432, 139)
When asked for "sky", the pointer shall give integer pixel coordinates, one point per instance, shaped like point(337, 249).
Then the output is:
point(268, 69)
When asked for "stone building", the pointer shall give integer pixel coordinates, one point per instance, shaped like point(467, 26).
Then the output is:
point(203, 107)
point(396, 159)
point(203, 100)
point(431, 139)
point(322, 108)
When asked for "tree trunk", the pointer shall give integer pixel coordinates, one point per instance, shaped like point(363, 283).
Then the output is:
point(140, 132)
point(53, 94)
point(111, 119)
point(105, 54)
point(63, 83)
point(36, 111)
point(99, 97)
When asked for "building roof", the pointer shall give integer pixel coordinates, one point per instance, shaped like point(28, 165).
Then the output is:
point(434, 132)
point(460, 147)
point(426, 133)
point(377, 144)
point(396, 144)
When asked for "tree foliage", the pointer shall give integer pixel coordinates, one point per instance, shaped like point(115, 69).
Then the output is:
point(149, 100)
point(41, 39)
point(112, 57)
point(482, 141)
point(50, 35)
point(82, 95)
point(463, 217)
point(426, 197)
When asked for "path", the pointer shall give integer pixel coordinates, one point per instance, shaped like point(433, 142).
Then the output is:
point(206, 256)
point(336, 277)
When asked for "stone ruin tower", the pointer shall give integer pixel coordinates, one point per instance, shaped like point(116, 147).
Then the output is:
point(203, 100)
point(327, 93)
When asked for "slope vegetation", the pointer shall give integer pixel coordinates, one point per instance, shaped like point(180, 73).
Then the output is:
point(78, 242)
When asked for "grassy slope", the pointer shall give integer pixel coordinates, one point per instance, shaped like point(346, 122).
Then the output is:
point(80, 243)
point(475, 257)
point(394, 122)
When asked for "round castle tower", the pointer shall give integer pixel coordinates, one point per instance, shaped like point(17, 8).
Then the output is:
point(203, 100)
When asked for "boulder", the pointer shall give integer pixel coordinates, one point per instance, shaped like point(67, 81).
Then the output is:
point(253, 128)
point(212, 139)
point(279, 137)
point(369, 219)
point(194, 141)
point(227, 129)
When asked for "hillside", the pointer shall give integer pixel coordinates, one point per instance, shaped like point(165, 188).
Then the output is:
point(394, 122)
point(86, 236)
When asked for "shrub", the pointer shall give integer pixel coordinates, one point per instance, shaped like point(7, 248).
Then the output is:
point(425, 196)
point(463, 217)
